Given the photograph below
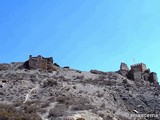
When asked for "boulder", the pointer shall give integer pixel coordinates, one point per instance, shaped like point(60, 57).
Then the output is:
point(66, 67)
point(56, 65)
point(98, 72)
point(123, 73)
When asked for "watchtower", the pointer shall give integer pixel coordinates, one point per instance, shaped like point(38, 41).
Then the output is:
point(137, 70)
point(141, 67)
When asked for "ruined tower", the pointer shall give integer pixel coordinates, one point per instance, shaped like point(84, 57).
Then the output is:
point(40, 63)
point(141, 67)
point(124, 67)
point(136, 72)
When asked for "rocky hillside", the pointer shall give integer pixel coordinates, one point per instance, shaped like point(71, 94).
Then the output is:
point(69, 94)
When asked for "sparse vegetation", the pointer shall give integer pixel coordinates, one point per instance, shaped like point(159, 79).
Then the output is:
point(81, 77)
point(61, 99)
point(57, 111)
point(80, 119)
point(8, 112)
point(65, 91)
point(50, 83)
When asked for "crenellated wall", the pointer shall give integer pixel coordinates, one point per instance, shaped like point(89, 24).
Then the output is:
point(41, 63)
point(141, 67)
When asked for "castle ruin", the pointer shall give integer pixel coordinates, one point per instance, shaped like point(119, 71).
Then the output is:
point(141, 67)
point(138, 72)
point(40, 63)
point(124, 67)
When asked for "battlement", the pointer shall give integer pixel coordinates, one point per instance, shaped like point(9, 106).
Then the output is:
point(138, 72)
point(40, 62)
point(139, 64)
point(138, 67)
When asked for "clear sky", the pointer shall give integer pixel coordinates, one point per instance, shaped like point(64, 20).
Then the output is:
point(82, 34)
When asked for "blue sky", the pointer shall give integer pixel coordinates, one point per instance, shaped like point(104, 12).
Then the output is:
point(82, 34)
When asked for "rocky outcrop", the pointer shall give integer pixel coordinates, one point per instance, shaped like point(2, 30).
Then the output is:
point(4, 66)
point(98, 72)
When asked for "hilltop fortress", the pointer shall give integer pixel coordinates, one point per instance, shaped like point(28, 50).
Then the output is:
point(138, 72)
point(40, 63)
point(45, 91)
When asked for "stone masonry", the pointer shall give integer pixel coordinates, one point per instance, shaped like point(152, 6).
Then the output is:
point(138, 67)
point(40, 63)
point(138, 72)
point(124, 67)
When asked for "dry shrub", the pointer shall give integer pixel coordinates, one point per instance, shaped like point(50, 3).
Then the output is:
point(75, 103)
point(124, 81)
point(100, 95)
point(122, 117)
point(50, 83)
point(45, 104)
point(79, 107)
point(102, 80)
point(107, 117)
point(61, 99)
point(8, 108)
point(102, 77)
point(80, 77)
point(80, 119)
point(109, 82)
point(128, 107)
point(31, 109)
point(81, 104)
point(74, 87)
point(8, 112)
point(57, 111)
point(17, 103)
point(31, 106)
point(61, 78)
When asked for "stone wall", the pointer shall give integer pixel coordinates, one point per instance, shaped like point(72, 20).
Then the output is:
point(40, 63)
point(153, 77)
point(138, 67)
point(124, 67)
point(137, 75)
